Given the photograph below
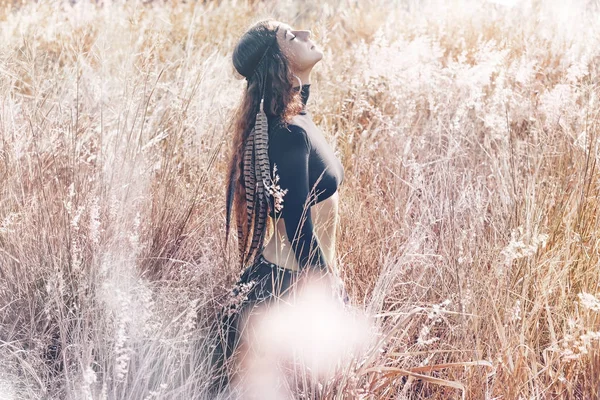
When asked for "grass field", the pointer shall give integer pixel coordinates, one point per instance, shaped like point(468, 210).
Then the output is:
point(469, 226)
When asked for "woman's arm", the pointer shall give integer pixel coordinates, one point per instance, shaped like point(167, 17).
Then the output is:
point(290, 150)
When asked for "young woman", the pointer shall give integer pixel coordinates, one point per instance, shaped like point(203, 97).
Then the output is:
point(282, 171)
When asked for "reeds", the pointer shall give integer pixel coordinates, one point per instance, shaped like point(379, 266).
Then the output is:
point(468, 215)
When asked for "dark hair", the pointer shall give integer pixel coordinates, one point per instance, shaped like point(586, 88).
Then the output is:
point(258, 57)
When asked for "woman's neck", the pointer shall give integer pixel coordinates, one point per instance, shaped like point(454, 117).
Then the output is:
point(305, 94)
point(304, 77)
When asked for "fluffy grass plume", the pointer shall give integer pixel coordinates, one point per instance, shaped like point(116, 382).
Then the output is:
point(469, 221)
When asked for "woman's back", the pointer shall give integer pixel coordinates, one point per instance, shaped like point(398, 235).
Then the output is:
point(325, 218)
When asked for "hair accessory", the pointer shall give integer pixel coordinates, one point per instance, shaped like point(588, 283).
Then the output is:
point(256, 173)
point(264, 54)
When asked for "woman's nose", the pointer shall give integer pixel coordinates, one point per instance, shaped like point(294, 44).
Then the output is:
point(307, 34)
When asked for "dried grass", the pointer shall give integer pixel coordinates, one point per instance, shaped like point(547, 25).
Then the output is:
point(469, 212)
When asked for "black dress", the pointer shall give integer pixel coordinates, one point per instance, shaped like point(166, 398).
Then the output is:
point(310, 171)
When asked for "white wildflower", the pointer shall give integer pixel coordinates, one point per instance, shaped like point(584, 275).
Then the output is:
point(122, 352)
point(589, 301)
point(8, 221)
point(516, 311)
point(577, 71)
point(437, 309)
point(95, 220)
point(274, 190)
point(134, 236)
point(523, 245)
point(76, 217)
point(556, 102)
point(69, 203)
point(421, 340)
point(191, 316)
point(434, 316)
point(589, 336)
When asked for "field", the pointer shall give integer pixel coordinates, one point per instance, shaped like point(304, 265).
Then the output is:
point(469, 226)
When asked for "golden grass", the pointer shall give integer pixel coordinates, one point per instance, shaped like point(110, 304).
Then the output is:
point(469, 137)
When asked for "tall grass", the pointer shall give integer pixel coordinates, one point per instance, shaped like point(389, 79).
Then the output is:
point(469, 136)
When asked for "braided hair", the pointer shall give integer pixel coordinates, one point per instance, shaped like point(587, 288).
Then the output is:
point(269, 95)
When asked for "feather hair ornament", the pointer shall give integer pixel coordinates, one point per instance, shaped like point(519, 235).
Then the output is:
point(256, 168)
point(256, 174)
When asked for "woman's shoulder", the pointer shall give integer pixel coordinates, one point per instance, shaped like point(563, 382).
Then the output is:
point(294, 125)
point(288, 133)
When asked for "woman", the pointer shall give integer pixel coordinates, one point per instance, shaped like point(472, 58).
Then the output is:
point(281, 168)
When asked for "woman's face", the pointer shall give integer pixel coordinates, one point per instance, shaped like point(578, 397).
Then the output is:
point(300, 51)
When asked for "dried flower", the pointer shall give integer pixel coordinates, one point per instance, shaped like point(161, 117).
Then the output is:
point(274, 190)
point(523, 245)
point(238, 296)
